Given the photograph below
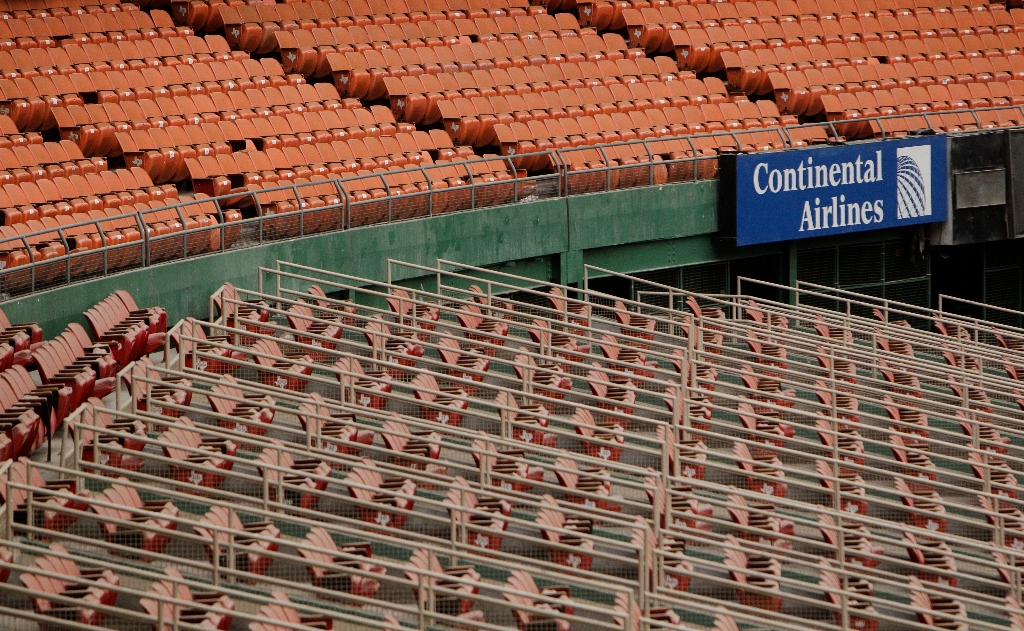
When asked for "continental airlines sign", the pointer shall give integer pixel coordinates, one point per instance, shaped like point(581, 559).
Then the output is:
point(828, 190)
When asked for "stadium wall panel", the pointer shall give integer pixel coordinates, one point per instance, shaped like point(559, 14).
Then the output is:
point(556, 230)
point(642, 214)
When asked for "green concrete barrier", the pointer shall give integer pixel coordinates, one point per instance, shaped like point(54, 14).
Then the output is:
point(545, 239)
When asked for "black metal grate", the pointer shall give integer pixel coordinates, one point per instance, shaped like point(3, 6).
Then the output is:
point(711, 278)
point(668, 277)
point(860, 265)
point(1002, 289)
point(890, 270)
point(817, 266)
point(653, 294)
point(902, 262)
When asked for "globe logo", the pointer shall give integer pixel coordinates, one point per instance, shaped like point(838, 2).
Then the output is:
point(913, 182)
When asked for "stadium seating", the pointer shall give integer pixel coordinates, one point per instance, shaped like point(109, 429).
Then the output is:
point(63, 581)
point(123, 503)
point(350, 114)
point(331, 574)
point(762, 386)
point(176, 589)
point(453, 457)
point(526, 482)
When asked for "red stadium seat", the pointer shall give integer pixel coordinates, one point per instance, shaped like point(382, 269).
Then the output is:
point(253, 411)
point(100, 591)
point(128, 506)
point(488, 519)
point(222, 527)
point(376, 491)
point(174, 587)
point(551, 518)
point(204, 457)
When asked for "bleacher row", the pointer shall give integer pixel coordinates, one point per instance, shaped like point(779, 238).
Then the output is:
point(361, 107)
point(345, 452)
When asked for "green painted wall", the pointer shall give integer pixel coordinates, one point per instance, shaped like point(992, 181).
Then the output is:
point(546, 240)
point(642, 214)
point(482, 237)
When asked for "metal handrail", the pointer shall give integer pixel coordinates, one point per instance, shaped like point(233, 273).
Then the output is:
point(866, 415)
point(799, 586)
point(39, 275)
point(793, 558)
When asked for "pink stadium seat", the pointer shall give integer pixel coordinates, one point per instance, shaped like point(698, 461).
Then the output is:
point(127, 505)
point(338, 575)
point(174, 587)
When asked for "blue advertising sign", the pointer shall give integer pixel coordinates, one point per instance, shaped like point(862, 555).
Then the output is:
point(826, 190)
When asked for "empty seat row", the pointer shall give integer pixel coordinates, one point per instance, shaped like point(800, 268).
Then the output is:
point(472, 121)
point(94, 127)
point(161, 151)
point(249, 172)
point(937, 99)
point(800, 92)
point(656, 21)
point(79, 193)
point(602, 14)
point(96, 28)
point(518, 138)
point(415, 99)
point(148, 83)
point(273, 166)
point(10, 136)
point(697, 50)
point(379, 66)
point(465, 58)
point(306, 51)
point(121, 56)
point(56, 65)
point(29, 109)
point(314, 97)
point(752, 71)
point(248, 30)
point(113, 229)
point(207, 15)
point(58, 8)
point(27, 163)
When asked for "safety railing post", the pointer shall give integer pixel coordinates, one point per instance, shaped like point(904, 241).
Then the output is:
point(835, 132)
point(221, 229)
point(175, 609)
point(141, 225)
point(280, 478)
point(515, 179)
point(387, 190)
point(160, 609)
point(259, 216)
point(215, 554)
point(67, 254)
point(453, 527)
point(32, 264)
point(231, 545)
point(650, 163)
point(607, 169)
point(184, 231)
point(302, 210)
point(430, 190)
point(563, 173)
point(695, 159)
point(421, 596)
